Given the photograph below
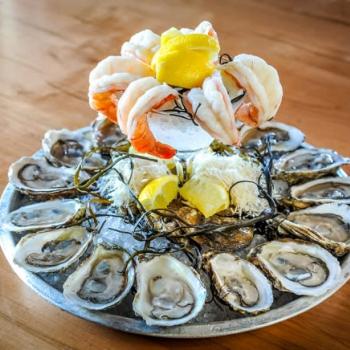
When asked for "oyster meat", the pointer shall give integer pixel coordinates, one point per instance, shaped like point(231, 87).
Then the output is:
point(239, 283)
point(67, 148)
point(232, 240)
point(102, 280)
point(308, 163)
point(52, 250)
point(285, 138)
point(35, 176)
point(326, 224)
point(325, 190)
point(169, 292)
point(44, 215)
point(297, 266)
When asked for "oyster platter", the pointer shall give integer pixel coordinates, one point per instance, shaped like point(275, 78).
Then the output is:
point(184, 209)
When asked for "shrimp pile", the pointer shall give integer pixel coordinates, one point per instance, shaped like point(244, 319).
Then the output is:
point(124, 89)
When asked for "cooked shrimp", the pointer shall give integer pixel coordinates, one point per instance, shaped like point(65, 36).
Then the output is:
point(138, 130)
point(212, 109)
point(142, 45)
point(204, 27)
point(109, 79)
point(262, 85)
point(134, 91)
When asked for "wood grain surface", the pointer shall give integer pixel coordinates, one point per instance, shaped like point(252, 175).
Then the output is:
point(47, 49)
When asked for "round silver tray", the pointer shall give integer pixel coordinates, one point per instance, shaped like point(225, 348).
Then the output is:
point(120, 319)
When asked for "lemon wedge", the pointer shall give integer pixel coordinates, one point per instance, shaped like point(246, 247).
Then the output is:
point(185, 60)
point(208, 196)
point(158, 193)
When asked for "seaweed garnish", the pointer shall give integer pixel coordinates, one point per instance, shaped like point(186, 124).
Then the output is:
point(180, 110)
point(225, 58)
point(149, 225)
point(238, 97)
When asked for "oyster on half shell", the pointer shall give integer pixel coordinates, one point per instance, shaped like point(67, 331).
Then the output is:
point(44, 215)
point(35, 176)
point(325, 190)
point(67, 148)
point(326, 224)
point(102, 280)
point(239, 283)
point(297, 266)
point(52, 250)
point(308, 163)
point(169, 292)
point(231, 240)
point(286, 138)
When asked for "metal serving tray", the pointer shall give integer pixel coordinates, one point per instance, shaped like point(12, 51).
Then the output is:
point(213, 321)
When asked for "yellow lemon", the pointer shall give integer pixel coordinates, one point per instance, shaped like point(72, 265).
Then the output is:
point(185, 60)
point(158, 193)
point(208, 196)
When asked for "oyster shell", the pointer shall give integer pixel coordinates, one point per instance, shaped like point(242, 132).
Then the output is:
point(286, 137)
point(239, 283)
point(280, 190)
point(102, 280)
point(67, 148)
point(52, 250)
point(169, 292)
point(35, 176)
point(325, 190)
point(233, 240)
point(308, 163)
point(327, 224)
point(105, 133)
point(297, 266)
point(44, 215)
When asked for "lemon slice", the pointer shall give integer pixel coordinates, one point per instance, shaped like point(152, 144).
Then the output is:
point(158, 193)
point(185, 60)
point(208, 196)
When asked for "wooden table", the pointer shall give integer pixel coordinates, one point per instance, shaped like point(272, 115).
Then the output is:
point(47, 49)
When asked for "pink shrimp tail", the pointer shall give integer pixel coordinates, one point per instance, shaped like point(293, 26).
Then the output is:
point(248, 114)
point(143, 141)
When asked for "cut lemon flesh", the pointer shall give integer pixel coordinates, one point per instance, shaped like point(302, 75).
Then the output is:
point(159, 193)
point(208, 196)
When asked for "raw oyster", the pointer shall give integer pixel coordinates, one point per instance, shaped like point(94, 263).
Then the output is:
point(308, 163)
point(35, 176)
point(102, 280)
point(297, 266)
point(327, 224)
point(67, 148)
point(106, 133)
point(232, 240)
point(169, 292)
point(286, 138)
point(44, 215)
point(239, 283)
point(325, 190)
point(52, 250)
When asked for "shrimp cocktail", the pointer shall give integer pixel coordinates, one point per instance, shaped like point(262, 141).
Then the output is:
point(180, 73)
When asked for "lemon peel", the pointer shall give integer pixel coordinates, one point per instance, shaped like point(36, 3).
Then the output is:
point(185, 60)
